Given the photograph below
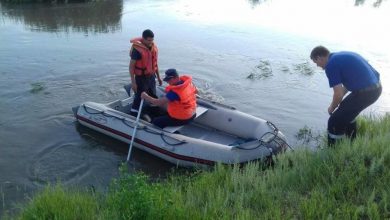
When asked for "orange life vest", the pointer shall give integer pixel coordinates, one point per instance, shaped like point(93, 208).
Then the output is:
point(147, 65)
point(184, 108)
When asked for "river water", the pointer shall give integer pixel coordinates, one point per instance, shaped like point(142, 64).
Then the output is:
point(253, 55)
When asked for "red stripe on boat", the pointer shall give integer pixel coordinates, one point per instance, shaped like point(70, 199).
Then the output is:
point(146, 144)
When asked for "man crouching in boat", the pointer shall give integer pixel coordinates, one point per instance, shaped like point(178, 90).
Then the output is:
point(180, 99)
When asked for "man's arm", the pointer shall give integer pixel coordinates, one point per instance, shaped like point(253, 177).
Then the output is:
point(338, 93)
point(132, 75)
point(158, 102)
point(158, 77)
point(134, 56)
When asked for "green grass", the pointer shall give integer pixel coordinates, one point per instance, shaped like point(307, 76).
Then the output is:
point(349, 181)
point(55, 202)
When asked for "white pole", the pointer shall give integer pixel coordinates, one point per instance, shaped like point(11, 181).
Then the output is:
point(135, 129)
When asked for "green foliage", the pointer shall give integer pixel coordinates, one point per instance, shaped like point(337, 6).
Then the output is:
point(37, 87)
point(58, 203)
point(307, 137)
point(261, 71)
point(129, 198)
point(349, 181)
point(135, 197)
point(304, 68)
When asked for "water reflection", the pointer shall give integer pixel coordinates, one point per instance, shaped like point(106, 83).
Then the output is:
point(94, 17)
point(377, 3)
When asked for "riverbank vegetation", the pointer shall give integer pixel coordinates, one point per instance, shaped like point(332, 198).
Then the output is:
point(349, 181)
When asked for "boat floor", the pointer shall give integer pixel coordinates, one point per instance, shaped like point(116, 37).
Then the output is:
point(198, 131)
point(193, 129)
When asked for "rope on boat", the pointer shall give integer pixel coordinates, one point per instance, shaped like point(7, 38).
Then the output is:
point(144, 128)
point(275, 138)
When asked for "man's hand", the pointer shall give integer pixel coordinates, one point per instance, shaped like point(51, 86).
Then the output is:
point(145, 96)
point(134, 87)
point(158, 77)
point(153, 101)
point(338, 93)
point(330, 110)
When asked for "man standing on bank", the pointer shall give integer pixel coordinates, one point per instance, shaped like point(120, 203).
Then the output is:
point(347, 71)
point(143, 68)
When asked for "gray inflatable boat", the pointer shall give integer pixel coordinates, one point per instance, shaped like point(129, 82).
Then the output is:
point(218, 134)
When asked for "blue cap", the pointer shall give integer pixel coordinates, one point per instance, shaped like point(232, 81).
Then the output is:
point(169, 74)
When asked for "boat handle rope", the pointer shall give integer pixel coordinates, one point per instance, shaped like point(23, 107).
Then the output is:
point(272, 126)
point(262, 142)
point(275, 138)
point(276, 130)
point(145, 128)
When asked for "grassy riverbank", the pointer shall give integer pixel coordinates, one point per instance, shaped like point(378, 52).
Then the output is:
point(347, 182)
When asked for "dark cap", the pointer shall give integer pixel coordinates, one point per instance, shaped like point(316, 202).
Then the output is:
point(169, 74)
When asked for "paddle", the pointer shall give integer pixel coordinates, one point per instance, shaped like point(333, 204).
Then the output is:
point(135, 129)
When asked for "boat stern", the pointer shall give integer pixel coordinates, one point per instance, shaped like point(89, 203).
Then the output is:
point(276, 142)
point(75, 110)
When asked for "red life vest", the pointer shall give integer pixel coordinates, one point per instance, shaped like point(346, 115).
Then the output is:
point(147, 65)
point(184, 108)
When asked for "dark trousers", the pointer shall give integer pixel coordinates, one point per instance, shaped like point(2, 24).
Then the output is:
point(144, 84)
point(343, 120)
point(166, 120)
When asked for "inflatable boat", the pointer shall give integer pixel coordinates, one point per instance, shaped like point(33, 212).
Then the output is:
point(218, 134)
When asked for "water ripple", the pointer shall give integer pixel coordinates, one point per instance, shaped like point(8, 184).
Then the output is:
point(59, 162)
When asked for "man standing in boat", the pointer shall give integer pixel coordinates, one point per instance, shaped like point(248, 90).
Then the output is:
point(347, 71)
point(143, 68)
point(180, 99)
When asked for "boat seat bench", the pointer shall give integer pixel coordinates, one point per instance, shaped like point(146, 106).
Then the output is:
point(199, 111)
